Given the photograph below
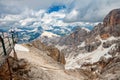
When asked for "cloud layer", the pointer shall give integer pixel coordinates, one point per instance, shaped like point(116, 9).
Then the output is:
point(91, 10)
point(76, 10)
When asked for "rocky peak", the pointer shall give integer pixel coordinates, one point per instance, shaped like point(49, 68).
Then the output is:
point(112, 19)
point(74, 38)
point(111, 25)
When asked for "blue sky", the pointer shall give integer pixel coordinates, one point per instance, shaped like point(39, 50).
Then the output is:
point(56, 8)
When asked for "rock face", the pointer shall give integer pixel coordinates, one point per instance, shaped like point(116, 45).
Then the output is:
point(38, 44)
point(93, 46)
point(74, 38)
point(111, 71)
point(52, 51)
point(113, 18)
point(56, 54)
point(105, 36)
point(111, 24)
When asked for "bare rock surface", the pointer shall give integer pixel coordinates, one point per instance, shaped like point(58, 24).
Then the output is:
point(113, 18)
point(52, 51)
point(43, 67)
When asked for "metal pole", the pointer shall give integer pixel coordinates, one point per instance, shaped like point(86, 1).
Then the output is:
point(9, 69)
point(5, 53)
point(13, 39)
point(3, 34)
point(3, 45)
point(15, 55)
point(9, 42)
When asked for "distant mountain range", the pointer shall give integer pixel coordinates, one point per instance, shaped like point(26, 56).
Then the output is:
point(96, 51)
point(28, 34)
point(30, 24)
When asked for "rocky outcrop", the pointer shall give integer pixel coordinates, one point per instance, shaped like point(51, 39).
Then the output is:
point(111, 71)
point(74, 38)
point(92, 46)
point(112, 19)
point(94, 33)
point(56, 54)
point(114, 51)
point(108, 43)
point(38, 44)
point(105, 36)
point(111, 24)
point(52, 51)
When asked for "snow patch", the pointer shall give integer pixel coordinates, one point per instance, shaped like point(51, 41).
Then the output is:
point(89, 57)
point(60, 47)
point(86, 29)
point(81, 45)
point(48, 34)
point(19, 47)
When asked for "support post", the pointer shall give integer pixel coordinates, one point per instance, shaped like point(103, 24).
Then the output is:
point(3, 45)
point(3, 34)
point(14, 52)
point(5, 53)
point(9, 69)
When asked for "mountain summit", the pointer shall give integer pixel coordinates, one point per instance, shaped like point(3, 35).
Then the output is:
point(113, 18)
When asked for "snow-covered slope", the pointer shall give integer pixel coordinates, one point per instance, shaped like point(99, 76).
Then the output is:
point(89, 57)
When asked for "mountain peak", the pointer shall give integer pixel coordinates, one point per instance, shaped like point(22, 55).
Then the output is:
point(113, 18)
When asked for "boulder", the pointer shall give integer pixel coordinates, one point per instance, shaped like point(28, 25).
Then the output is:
point(107, 44)
point(22, 63)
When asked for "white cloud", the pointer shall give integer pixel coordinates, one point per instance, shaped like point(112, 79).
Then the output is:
point(77, 10)
point(27, 21)
point(31, 18)
point(92, 10)
point(72, 16)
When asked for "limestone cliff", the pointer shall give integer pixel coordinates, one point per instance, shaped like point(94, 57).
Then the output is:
point(113, 18)
point(111, 24)
point(52, 51)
